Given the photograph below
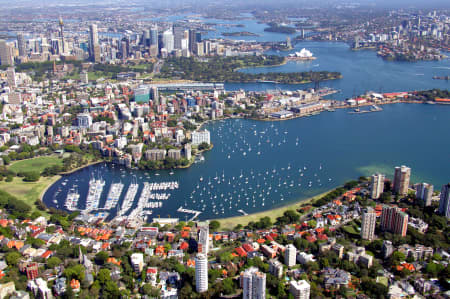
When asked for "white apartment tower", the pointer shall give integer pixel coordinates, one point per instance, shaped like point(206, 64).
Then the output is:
point(369, 221)
point(290, 255)
point(201, 273)
point(300, 289)
point(253, 284)
point(376, 185)
point(401, 179)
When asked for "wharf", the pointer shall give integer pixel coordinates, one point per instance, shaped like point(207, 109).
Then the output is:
point(183, 210)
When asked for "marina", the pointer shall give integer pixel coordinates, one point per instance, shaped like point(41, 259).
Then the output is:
point(283, 162)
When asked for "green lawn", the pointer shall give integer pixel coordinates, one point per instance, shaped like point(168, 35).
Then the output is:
point(36, 164)
point(28, 191)
point(230, 223)
point(350, 230)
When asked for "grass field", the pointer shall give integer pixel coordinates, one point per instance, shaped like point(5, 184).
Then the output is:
point(28, 191)
point(36, 164)
point(230, 223)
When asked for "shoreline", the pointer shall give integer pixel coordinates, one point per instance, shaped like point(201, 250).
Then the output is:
point(230, 222)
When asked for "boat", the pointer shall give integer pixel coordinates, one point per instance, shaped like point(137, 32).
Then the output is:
point(72, 200)
point(113, 196)
point(94, 193)
point(129, 198)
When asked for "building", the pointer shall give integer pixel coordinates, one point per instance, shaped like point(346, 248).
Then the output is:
point(168, 41)
point(142, 94)
point(137, 261)
point(369, 221)
point(424, 192)
point(5, 54)
point(174, 154)
point(290, 255)
point(21, 45)
point(444, 202)
point(11, 77)
point(401, 179)
point(275, 268)
point(253, 284)
point(84, 77)
point(84, 120)
point(199, 137)
point(93, 40)
point(299, 289)
point(178, 36)
point(387, 249)
point(155, 154)
point(394, 220)
point(376, 185)
point(201, 273)
point(6, 289)
point(32, 271)
point(188, 151)
point(203, 238)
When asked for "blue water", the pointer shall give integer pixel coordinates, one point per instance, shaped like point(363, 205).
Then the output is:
point(291, 160)
point(329, 149)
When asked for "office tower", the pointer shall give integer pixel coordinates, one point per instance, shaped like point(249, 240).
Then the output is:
point(424, 192)
point(369, 221)
point(192, 41)
point(21, 45)
point(290, 255)
point(376, 185)
point(11, 77)
point(61, 34)
point(154, 36)
point(253, 284)
point(203, 238)
point(93, 41)
point(201, 273)
point(178, 35)
point(154, 95)
point(300, 289)
point(5, 53)
point(168, 41)
point(444, 202)
point(145, 38)
point(401, 180)
point(394, 220)
point(124, 49)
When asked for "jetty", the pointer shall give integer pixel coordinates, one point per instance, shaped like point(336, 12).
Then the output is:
point(183, 210)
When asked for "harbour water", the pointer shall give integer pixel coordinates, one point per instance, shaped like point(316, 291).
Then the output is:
point(255, 166)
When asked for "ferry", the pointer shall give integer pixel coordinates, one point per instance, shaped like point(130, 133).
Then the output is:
point(113, 196)
point(72, 200)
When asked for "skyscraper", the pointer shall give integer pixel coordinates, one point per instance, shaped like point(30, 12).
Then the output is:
point(154, 36)
point(253, 284)
point(394, 220)
point(193, 41)
point(93, 41)
point(5, 54)
point(168, 41)
point(444, 202)
point(61, 34)
point(201, 273)
point(290, 255)
point(21, 45)
point(11, 77)
point(369, 220)
point(203, 238)
point(424, 192)
point(178, 35)
point(376, 185)
point(401, 179)
point(300, 289)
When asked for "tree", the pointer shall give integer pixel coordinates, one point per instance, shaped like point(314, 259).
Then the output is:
point(101, 258)
point(214, 225)
point(12, 258)
point(228, 286)
point(53, 262)
point(103, 276)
